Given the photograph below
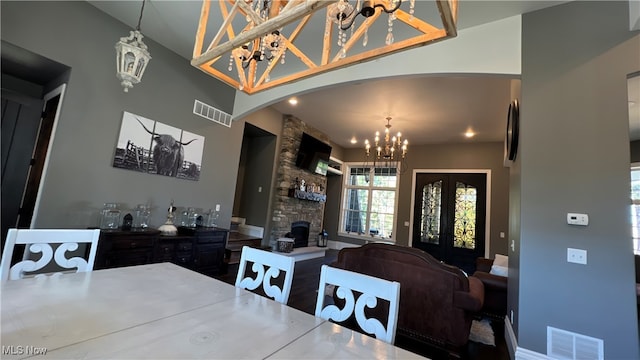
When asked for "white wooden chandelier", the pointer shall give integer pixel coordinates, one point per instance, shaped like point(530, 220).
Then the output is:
point(248, 50)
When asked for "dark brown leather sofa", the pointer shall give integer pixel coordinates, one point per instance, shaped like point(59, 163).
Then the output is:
point(437, 301)
point(495, 289)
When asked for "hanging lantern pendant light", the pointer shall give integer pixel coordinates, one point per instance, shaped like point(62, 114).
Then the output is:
point(132, 57)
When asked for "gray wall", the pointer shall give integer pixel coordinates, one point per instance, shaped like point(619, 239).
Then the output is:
point(257, 179)
point(270, 121)
point(443, 157)
point(80, 177)
point(574, 157)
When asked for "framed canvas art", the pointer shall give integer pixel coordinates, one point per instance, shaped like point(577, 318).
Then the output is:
point(149, 146)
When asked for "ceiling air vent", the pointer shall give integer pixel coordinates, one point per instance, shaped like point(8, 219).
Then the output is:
point(211, 113)
point(563, 344)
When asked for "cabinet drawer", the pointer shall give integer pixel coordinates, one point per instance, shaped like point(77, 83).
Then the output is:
point(166, 248)
point(124, 244)
point(184, 246)
point(128, 258)
point(212, 238)
point(183, 258)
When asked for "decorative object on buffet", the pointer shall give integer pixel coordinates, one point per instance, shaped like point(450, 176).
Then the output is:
point(142, 213)
point(192, 218)
point(149, 146)
point(132, 57)
point(127, 222)
point(168, 228)
point(387, 150)
point(211, 218)
point(110, 217)
point(255, 36)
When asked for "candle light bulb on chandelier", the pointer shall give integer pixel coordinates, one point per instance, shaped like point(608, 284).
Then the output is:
point(391, 149)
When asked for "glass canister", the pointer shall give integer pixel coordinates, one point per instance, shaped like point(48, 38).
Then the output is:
point(141, 217)
point(192, 217)
point(212, 217)
point(110, 216)
point(184, 217)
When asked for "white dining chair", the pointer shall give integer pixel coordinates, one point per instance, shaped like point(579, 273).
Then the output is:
point(348, 285)
point(266, 266)
point(42, 241)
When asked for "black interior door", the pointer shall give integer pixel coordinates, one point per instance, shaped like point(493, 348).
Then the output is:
point(20, 126)
point(450, 216)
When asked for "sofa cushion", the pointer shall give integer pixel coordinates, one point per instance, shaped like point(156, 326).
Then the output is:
point(500, 265)
point(499, 270)
point(501, 260)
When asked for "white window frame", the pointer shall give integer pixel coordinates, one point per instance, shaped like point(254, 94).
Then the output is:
point(343, 203)
point(635, 239)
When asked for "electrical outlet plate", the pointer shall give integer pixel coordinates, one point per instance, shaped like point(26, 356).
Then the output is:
point(577, 256)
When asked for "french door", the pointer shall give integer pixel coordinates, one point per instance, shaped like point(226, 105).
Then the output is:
point(449, 217)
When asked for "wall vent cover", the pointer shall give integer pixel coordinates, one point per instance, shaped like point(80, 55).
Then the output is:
point(563, 344)
point(211, 113)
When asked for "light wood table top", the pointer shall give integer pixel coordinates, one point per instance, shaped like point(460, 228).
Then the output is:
point(163, 311)
point(331, 341)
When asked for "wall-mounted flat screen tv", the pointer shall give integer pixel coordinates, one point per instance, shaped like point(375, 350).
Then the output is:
point(313, 155)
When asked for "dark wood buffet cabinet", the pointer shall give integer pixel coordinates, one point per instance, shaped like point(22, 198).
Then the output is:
point(198, 249)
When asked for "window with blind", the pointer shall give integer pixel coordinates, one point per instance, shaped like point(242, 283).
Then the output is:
point(369, 202)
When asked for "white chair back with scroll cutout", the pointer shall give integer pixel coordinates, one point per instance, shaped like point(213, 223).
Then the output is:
point(41, 241)
point(370, 289)
point(266, 266)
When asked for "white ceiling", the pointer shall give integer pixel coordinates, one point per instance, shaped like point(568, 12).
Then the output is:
point(425, 109)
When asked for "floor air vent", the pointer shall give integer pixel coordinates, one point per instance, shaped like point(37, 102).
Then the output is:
point(563, 344)
point(211, 113)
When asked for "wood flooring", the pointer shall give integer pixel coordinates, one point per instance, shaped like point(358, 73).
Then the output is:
point(303, 297)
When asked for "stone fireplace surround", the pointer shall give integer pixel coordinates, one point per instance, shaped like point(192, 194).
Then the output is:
point(287, 210)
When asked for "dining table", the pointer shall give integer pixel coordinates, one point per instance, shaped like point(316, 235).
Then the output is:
point(164, 311)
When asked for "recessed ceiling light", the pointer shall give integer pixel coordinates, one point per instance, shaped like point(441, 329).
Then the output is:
point(469, 134)
point(293, 101)
point(354, 140)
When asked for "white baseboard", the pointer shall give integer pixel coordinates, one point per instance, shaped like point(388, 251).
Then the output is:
point(516, 352)
point(524, 354)
point(510, 338)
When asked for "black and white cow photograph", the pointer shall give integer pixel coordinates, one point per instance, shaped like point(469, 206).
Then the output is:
point(152, 147)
